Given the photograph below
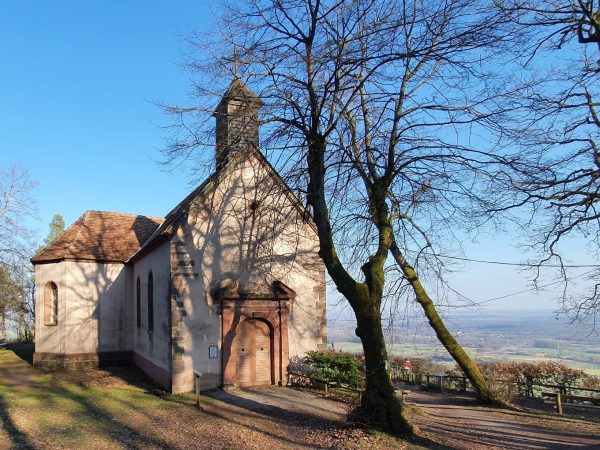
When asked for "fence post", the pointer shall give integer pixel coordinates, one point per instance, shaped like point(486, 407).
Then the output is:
point(559, 408)
point(441, 377)
point(464, 384)
point(197, 376)
point(427, 381)
point(326, 387)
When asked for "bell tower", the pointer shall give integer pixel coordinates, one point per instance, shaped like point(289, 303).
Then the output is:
point(237, 121)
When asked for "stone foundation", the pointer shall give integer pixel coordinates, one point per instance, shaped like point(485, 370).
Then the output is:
point(78, 361)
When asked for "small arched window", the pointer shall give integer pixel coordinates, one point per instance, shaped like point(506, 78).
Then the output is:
point(150, 302)
point(138, 303)
point(51, 303)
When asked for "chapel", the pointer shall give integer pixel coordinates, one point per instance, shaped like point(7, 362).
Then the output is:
point(222, 291)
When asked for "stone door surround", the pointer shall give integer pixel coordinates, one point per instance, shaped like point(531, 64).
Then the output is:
point(272, 309)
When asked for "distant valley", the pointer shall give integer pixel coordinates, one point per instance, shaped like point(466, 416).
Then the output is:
point(488, 335)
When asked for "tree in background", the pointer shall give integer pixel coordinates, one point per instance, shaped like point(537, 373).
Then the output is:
point(57, 227)
point(11, 295)
point(378, 114)
point(556, 126)
point(16, 204)
point(16, 244)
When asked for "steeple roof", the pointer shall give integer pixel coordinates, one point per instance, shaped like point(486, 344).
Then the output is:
point(238, 90)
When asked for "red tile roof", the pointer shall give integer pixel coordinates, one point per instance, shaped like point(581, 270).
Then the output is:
point(101, 236)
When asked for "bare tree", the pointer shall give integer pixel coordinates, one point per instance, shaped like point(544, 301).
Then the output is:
point(557, 130)
point(377, 113)
point(16, 204)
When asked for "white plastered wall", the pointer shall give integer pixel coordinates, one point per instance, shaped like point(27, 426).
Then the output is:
point(49, 339)
point(93, 312)
point(153, 346)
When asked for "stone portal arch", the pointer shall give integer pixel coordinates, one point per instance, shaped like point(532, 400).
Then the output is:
point(249, 322)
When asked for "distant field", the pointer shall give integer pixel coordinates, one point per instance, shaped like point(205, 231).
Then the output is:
point(574, 357)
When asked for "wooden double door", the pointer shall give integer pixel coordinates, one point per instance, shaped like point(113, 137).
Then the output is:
point(254, 357)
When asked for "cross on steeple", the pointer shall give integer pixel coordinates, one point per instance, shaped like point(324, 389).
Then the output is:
point(235, 59)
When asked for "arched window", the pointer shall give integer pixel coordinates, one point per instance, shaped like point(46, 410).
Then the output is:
point(138, 303)
point(150, 302)
point(51, 303)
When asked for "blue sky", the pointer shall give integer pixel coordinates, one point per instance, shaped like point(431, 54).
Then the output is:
point(77, 89)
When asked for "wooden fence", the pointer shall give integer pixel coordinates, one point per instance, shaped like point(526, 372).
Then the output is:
point(299, 379)
point(561, 394)
point(462, 384)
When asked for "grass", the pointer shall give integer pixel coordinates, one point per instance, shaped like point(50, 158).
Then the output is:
point(120, 408)
point(73, 415)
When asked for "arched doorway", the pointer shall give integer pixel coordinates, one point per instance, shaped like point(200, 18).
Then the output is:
point(254, 358)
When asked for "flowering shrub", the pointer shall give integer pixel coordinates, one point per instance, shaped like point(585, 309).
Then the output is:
point(526, 375)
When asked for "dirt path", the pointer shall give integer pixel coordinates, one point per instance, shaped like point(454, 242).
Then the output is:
point(16, 374)
point(301, 418)
point(459, 423)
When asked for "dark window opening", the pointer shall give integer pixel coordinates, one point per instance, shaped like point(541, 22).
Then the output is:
point(138, 303)
point(150, 302)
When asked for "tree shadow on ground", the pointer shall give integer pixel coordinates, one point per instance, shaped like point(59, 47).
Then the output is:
point(18, 438)
point(118, 430)
point(117, 376)
point(289, 417)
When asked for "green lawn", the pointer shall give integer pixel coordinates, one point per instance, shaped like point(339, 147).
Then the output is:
point(39, 409)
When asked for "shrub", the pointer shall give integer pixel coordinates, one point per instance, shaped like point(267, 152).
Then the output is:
point(336, 366)
point(525, 375)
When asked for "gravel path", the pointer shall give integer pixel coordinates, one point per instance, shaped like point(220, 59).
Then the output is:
point(459, 423)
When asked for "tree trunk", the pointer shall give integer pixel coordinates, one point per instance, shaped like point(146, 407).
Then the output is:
point(379, 406)
point(469, 368)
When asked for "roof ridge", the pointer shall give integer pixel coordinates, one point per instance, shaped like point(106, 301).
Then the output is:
point(122, 214)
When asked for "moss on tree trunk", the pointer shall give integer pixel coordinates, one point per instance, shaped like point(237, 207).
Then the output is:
point(469, 368)
point(379, 406)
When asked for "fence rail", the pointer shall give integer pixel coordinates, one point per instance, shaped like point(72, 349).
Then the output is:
point(561, 394)
point(292, 379)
